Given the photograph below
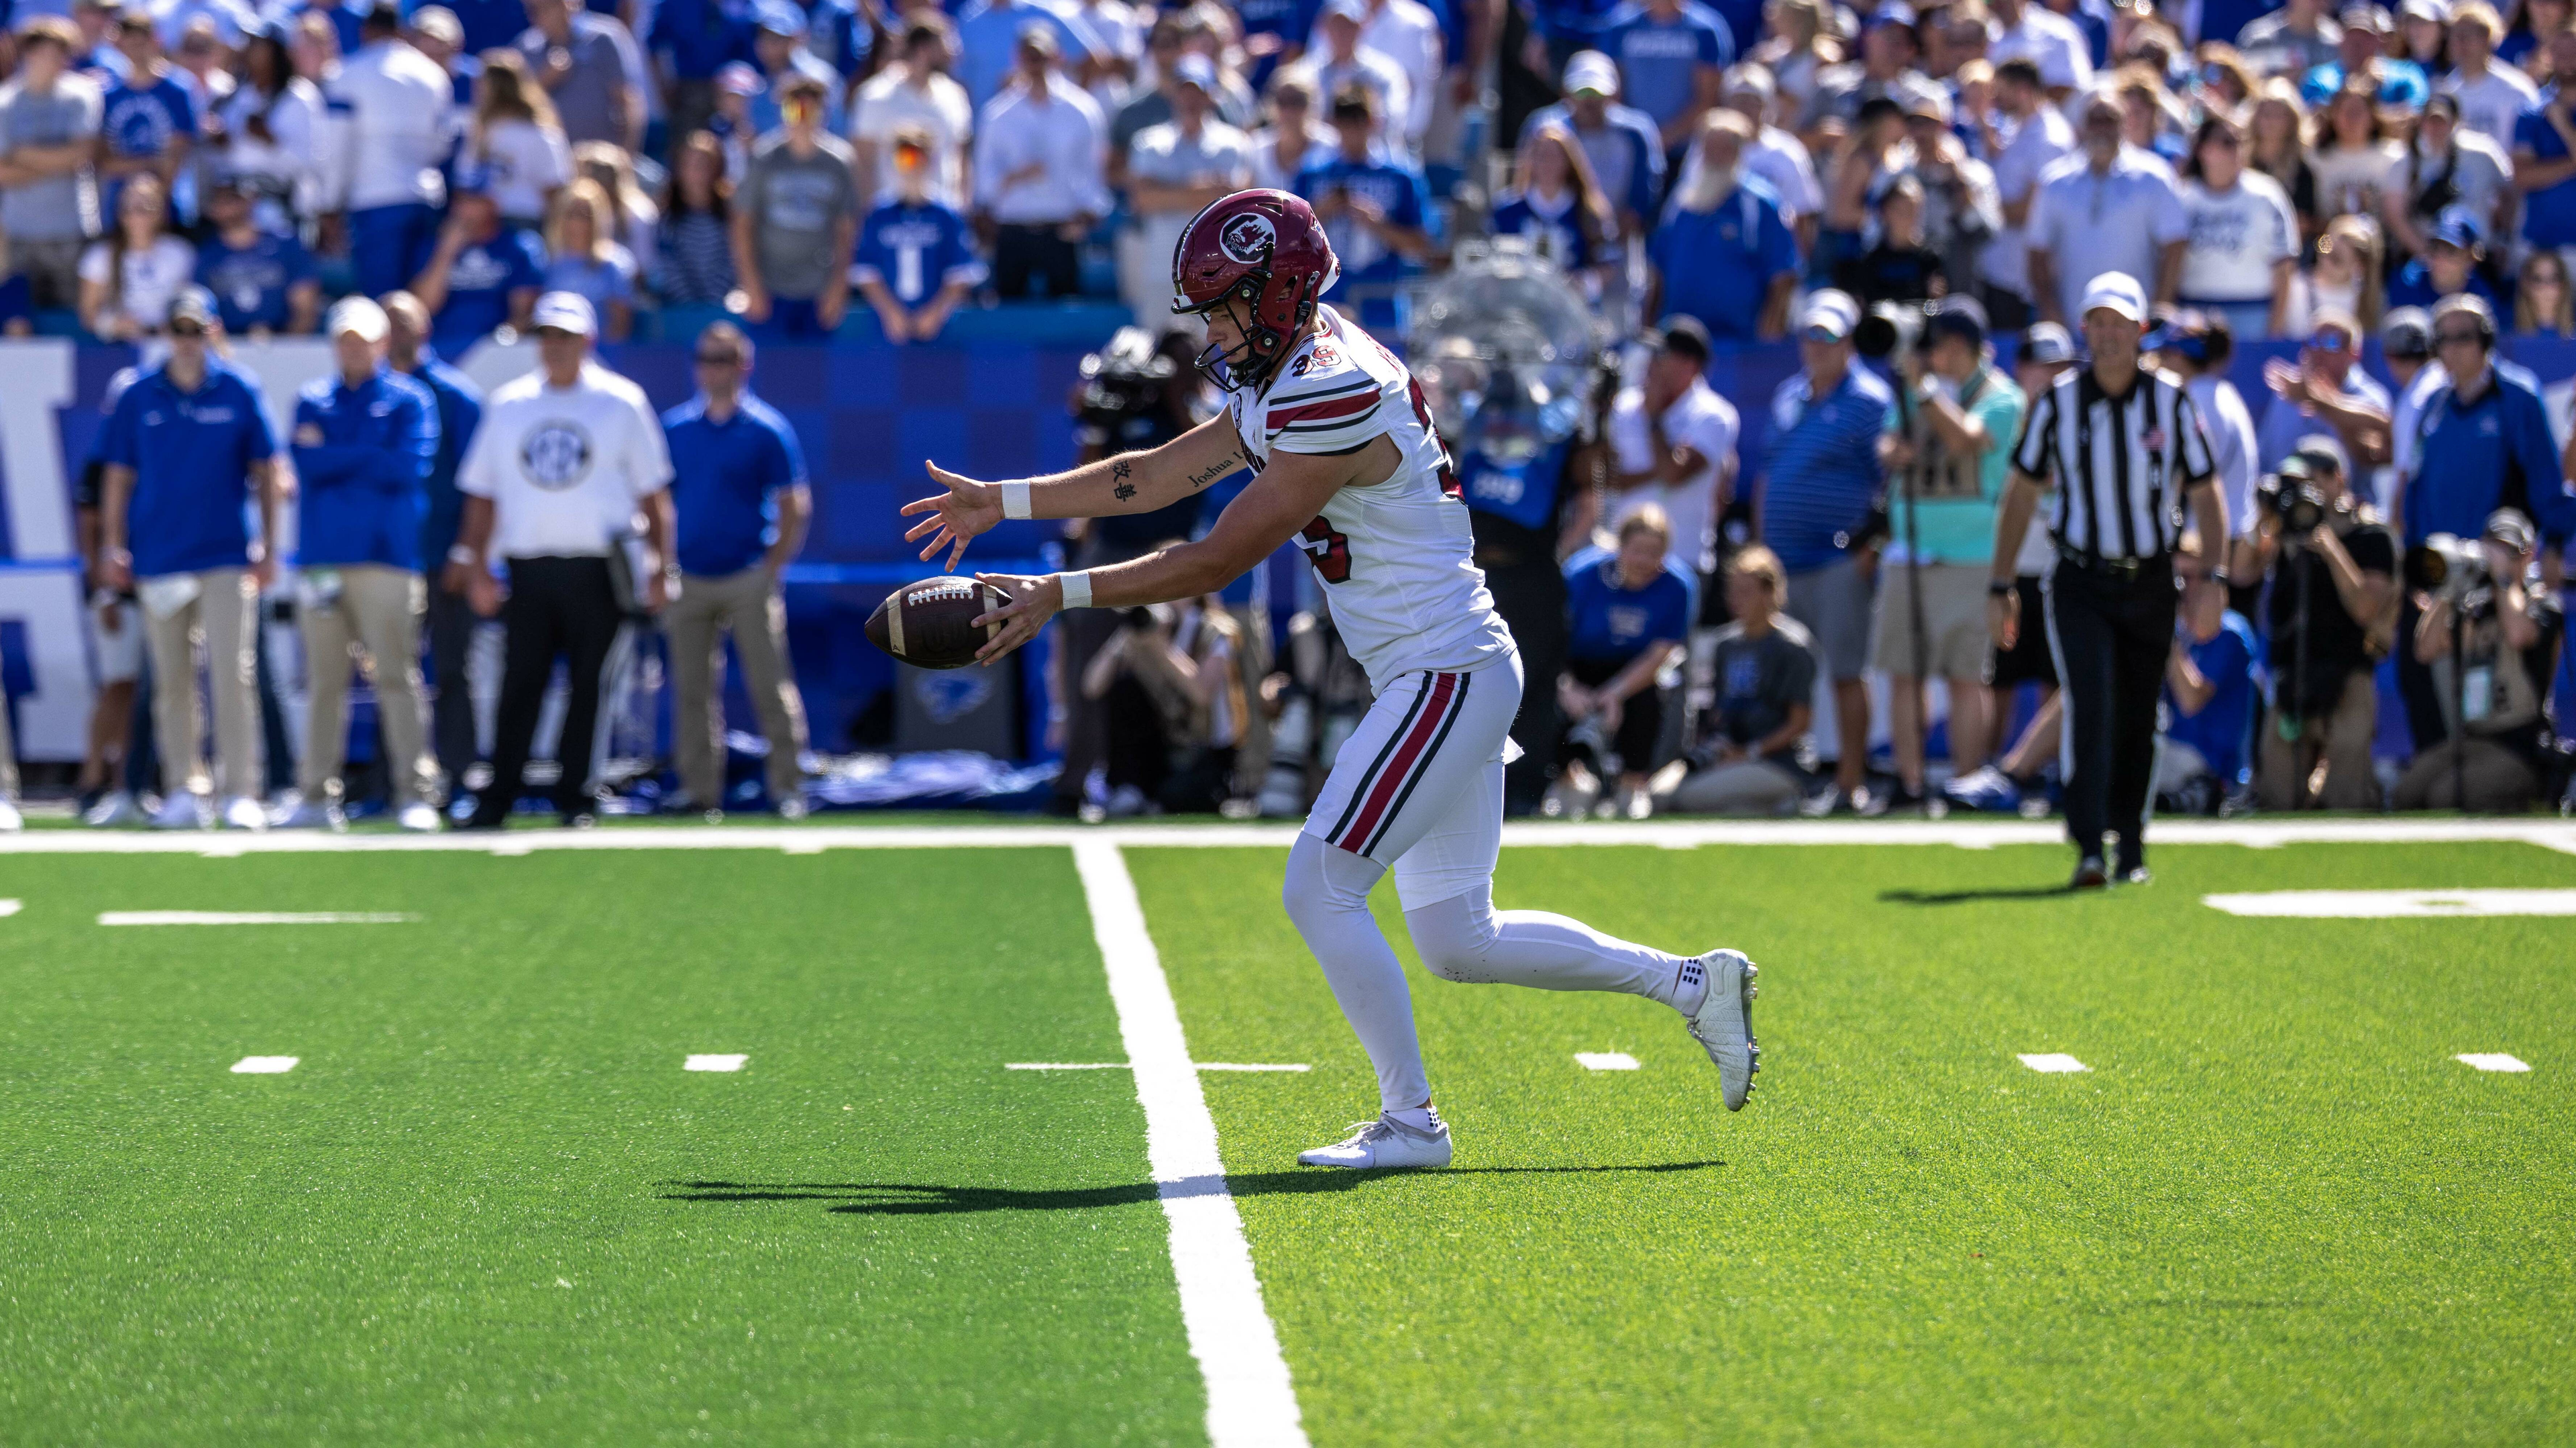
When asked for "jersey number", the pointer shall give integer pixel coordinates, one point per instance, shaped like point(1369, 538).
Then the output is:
point(1449, 487)
point(1329, 551)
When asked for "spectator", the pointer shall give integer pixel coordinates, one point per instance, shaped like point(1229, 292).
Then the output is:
point(2490, 98)
point(1120, 30)
point(2544, 153)
point(314, 47)
point(2148, 114)
point(2054, 47)
point(129, 279)
point(2296, 38)
point(915, 92)
point(779, 41)
point(915, 266)
point(2022, 137)
point(262, 281)
point(49, 122)
point(1339, 61)
point(1672, 443)
point(2333, 587)
point(2406, 345)
point(2276, 145)
point(2243, 248)
point(2345, 277)
point(451, 617)
point(588, 63)
point(1961, 212)
point(2533, 22)
point(1150, 105)
point(2445, 166)
point(1889, 51)
point(731, 125)
point(1176, 169)
point(1627, 616)
point(438, 34)
point(690, 40)
point(385, 171)
point(1408, 35)
point(2362, 59)
point(2508, 630)
point(1294, 139)
point(585, 260)
point(2423, 36)
point(266, 136)
point(2541, 301)
point(1820, 484)
point(1745, 761)
point(2199, 348)
point(1621, 142)
point(1038, 179)
point(2452, 263)
point(1949, 453)
point(365, 441)
point(2325, 390)
point(632, 217)
point(1376, 209)
point(482, 275)
point(149, 120)
point(1774, 155)
point(795, 222)
point(2210, 694)
point(515, 149)
point(2353, 156)
point(989, 36)
point(740, 502)
point(1900, 268)
point(1673, 55)
point(1149, 689)
point(1725, 258)
point(696, 262)
point(1557, 207)
point(186, 449)
point(2110, 207)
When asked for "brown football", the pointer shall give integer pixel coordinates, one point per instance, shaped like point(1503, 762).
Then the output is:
point(931, 624)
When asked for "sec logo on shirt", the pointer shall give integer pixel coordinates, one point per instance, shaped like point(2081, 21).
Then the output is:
point(556, 455)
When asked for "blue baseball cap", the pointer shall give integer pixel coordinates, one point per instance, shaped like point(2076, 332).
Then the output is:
point(778, 17)
point(2459, 226)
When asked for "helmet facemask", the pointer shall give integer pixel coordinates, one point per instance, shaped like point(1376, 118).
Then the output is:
point(1262, 346)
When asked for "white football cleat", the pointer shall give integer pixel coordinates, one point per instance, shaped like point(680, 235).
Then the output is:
point(418, 817)
point(1384, 1142)
point(1725, 1023)
point(114, 808)
point(241, 812)
point(183, 811)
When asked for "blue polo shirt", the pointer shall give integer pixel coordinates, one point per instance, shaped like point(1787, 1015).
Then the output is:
point(479, 287)
point(460, 411)
point(2549, 214)
point(2476, 457)
point(1612, 623)
point(251, 283)
point(363, 456)
point(191, 453)
point(1822, 476)
point(1718, 265)
point(2223, 726)
point(1659, 60)
point(725, 481)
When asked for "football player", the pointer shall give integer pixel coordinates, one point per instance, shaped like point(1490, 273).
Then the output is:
point(1348, 464)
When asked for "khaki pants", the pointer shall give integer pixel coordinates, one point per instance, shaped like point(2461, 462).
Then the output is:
point(2497, 780)
point(2285, 771)
point(225, 614)
point(748, 605)
point(376, 618)
point(8, 758)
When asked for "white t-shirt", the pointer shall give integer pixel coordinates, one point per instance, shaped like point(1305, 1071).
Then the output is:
point(2351, 179)
point(153, 278)
point(2489, 104)
point(1705, 423)
point(2233, 448)
point(886, 104)
point(521, 163)
point(564, 466)
point(2034, 145)
point(2237, 237)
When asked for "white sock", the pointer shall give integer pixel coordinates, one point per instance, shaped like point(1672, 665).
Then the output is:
point(1327, 898)
point(1465, 939)
point(1420, 1118)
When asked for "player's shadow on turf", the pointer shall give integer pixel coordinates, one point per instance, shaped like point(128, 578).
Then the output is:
point(913, 1199)
point(1967, 897)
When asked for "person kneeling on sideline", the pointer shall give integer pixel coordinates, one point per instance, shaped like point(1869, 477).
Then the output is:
point(1746, 760)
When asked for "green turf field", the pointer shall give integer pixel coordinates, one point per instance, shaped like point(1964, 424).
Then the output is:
point(489, 1205)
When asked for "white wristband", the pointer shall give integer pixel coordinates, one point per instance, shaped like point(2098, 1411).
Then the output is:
point(1077, 588)
point(462, 554)
point(1015, 500)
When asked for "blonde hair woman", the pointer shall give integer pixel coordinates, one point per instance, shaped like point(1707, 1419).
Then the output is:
point(515, 142)
point(639, 220)
point(2346, 276)
point(584, 258)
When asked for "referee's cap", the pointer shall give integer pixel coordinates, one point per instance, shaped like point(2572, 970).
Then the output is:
point(2119, 293)
point(2047, 344)
point(357, 315)
point(565, 312)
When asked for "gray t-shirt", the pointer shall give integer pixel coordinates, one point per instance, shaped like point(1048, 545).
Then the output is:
point(1758, 681)
point(59, 208)
point(793, 204)
point(603, 58)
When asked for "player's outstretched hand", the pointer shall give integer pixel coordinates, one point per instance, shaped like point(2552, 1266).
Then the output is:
point(1034, 600)
point(961, 510)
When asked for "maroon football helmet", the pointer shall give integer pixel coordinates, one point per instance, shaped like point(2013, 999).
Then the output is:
point(1264, 249)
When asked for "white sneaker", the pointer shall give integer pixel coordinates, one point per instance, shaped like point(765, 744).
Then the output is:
point(1384, 1142)
point(1725, 1023)
point(10, 820)
point(184, 811)
point(418, 818)
point(241, 812)
point(308, 815)
point(114, 808)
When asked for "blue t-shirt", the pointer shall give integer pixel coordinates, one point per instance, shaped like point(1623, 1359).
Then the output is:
point(1397, 189)
point(251, 283)
point(139, 121)
point(1718, 265)
point(1822, 475)
point(2220, 730)
point(2549, 214)
point(1291, 20)
point(1659, 60)
point(701, 36)
point(1519, 493)
point(1559, 237)
point(916, 250)
point(836, 35)
point(725, 481)
point(362, 457)
point(1611, 623)
point(191, 453)
point(460, 411)
point(479, 287)
point(595, 281)
point(2413, 287)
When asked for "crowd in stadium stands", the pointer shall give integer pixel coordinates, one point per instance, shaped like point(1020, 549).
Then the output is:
point(1708, 174)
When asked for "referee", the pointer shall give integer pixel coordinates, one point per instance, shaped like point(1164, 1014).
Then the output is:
point(2127, 447)
point(564, 460)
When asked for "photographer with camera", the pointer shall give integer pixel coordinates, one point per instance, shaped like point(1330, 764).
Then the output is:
point(2490, 639)
point(1168, 683)
point(2333, 567)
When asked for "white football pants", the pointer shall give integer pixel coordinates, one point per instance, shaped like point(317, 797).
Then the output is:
point(1421, 784)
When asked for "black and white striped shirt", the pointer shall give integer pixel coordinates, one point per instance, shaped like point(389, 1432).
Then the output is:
point(2120, 465)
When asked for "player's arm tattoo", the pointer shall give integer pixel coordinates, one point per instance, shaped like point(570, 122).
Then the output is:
point(1118, 471)
point(1213, 472)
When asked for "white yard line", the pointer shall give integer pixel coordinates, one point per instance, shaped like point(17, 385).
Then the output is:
point(2394, 904)
point(254, 917)
point(1605, 1060)
point(264, 1065)
point(2054, 1062)
point(1250, 1399)
point(2493, 1061)
point(713, 1063)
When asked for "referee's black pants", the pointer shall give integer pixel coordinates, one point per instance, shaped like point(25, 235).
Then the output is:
point(2111, 635)
point(558, 607)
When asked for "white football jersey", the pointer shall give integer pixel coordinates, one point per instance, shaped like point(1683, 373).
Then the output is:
point(1397, 558)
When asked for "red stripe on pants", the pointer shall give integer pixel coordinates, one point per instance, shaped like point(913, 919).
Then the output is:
point(1444, 690)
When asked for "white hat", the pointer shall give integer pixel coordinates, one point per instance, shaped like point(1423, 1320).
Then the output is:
point(359, 315)
point(1834, 311)
point(439, 23)
point(566, 312)
point(2120, 293)
point(1590, 70)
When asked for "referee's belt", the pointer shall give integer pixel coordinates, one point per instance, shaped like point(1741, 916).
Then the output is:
point(2127, 570)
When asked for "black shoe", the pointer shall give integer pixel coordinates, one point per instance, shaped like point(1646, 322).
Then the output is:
point(2088, 874)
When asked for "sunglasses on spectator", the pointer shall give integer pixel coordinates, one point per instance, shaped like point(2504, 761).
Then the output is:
point(2329, 342)
point(186, 329)
point(719, 359)
point(2457, 339)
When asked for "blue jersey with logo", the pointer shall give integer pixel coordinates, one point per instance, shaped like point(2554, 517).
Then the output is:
point(725, 481)
point(915, 250)
point(1559, 237)
point(1659, 60)
point(479, 287)
point(191, 453)
point(1611, 623)
point(251, 282)
point(1718, 265)
point(1396, 189)
point(362, 456)
point(1521, 493)
point(2221, 729)
point(141, 120)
